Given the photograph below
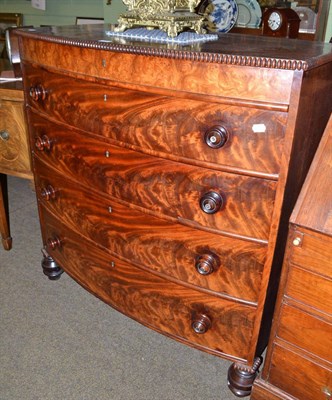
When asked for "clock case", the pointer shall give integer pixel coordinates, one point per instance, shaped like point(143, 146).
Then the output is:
point(290, 23)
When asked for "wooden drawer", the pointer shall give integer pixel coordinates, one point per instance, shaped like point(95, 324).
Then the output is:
point(14, 145)
point(158, 123)
point(309, 288)
point(306, 331)
point(315, 251)
point(156, 302)
point(168, 248)
point(299, 376)
point(164, 187)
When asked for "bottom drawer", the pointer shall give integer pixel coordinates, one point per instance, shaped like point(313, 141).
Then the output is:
point(299, 376)
point(160, 304)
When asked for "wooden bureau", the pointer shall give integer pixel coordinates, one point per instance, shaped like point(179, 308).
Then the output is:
point(299, 357)
point(166, 175)
point(14, 146)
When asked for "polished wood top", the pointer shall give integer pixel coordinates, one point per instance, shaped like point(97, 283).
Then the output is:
point(313, 209)
point(235, 49)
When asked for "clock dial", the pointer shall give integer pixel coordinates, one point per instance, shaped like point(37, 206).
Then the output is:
point(274, 21)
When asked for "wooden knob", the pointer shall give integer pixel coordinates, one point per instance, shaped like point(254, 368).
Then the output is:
point(216, 136)
point(37, 93)
point(53, 243)
point(48, 192)
point(207, 263)
point(211, 202)
point(201, 324)
point(43, 143)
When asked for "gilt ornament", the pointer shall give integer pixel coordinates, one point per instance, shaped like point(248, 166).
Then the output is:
point(170, 16)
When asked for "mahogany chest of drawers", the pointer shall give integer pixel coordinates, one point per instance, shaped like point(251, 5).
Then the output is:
point(165, 176)
point(299, 357)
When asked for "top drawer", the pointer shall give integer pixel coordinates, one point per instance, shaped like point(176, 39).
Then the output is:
point(314, 251)
point(249, 139)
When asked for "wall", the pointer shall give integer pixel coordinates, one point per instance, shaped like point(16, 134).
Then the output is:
point(64, 12)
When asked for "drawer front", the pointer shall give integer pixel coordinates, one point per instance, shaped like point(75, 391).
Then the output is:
point(233, 267)
point(14, 145)
point(156, 302)
point(165, 187)
point(298, 376)
point(305, 331)
point(311, 289)
point(174, 126)
point(314, 253)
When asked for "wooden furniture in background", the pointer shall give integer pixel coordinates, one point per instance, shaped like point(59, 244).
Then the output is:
point(319, 7)
point(299, 357)
point(8, 20)
point(165, 177)
point(14, 145)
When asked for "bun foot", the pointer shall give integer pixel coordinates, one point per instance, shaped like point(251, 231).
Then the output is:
point(241, 377)
point(50, 267)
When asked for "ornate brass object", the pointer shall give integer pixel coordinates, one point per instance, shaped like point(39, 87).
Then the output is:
point(172, 16)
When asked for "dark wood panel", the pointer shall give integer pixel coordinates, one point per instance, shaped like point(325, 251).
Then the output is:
point(163, 186)
point(166, 247)
point(151, 300)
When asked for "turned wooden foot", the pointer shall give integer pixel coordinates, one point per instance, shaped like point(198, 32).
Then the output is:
point(4, 214)
point(50, 267)
point(241, 377)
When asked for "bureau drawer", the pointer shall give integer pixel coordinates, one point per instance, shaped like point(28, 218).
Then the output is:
point(160, 123)
point(314, 253)
point(305, 331)
point(14, 143)
point(156, 302)
point(299, 376)
point(232, 266)
point(165, 187)
point(309, 288)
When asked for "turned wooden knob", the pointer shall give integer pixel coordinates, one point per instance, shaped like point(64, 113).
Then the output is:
point(216, 136)
point(207, 263)
point(53, 243)
point(211, 202)
point(48, 192)
point(201, 324)
point(43, 143)
point(37, 93)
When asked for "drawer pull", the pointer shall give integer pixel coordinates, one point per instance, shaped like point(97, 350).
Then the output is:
point(53, 243)
point(37, 93)
point(211, 202)
point(43, 143)
point(48, 192)
point(216, 137)
point(201, 324)
point(4, 135)
point(207, 263)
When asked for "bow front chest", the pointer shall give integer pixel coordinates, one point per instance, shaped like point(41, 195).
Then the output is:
point(165, 175)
